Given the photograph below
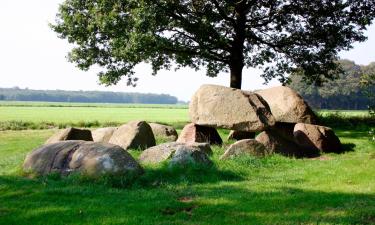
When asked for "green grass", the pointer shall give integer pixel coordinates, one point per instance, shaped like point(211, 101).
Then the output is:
point(96, 105)
point(101, 114)
point(275, 190)
point(45, 115)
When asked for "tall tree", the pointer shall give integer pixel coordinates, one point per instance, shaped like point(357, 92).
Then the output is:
point(278, 36)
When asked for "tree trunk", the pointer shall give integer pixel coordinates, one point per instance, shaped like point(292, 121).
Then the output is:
point(236, 63)
point(236, 76)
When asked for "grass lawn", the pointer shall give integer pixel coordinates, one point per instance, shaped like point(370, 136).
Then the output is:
point(101, 114)
point(335, 189)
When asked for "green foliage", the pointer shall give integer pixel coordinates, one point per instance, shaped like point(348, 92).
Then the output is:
point(340, 120)
point(17, 94)
point(277, 36)
point(368, 84)
point(345, 92)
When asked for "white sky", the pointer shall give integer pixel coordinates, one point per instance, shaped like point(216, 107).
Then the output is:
point(32, 56)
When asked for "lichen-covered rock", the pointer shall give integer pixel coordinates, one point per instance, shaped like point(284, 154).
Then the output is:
point(164, 131)
point(103, 134)
point(196, 133)
point(70, 134)
point(287, 105)
point(89, 158)
point(166, 151)
point(218, 106)
point(185, 156)
point(133, 135)
point(319, 138)
point(240, 135)
point(246, 147)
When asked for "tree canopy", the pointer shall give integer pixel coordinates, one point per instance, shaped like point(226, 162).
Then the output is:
point(278, 36)
point(351, 90)
point(18, 94)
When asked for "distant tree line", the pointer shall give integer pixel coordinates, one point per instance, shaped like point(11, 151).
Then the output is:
point(345, 92)
point(17, 94)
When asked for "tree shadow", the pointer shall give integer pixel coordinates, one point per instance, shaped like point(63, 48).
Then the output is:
point(348, 147)
point(25, 201)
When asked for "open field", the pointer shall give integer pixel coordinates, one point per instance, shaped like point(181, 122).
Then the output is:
point(332, 189)
point(42, 115)
point(335, 189)
point(37, 115)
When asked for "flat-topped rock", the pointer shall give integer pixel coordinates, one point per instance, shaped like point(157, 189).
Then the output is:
point(229, 108)
point(134, 135)
point(287, 105)
point(89, 158)
point(70, 134)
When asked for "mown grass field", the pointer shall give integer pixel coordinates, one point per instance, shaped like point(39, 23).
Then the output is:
point(332, 189)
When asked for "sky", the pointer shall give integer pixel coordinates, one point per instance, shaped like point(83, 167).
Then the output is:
point(32, 56)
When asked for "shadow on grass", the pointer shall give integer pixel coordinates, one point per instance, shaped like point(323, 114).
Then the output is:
point(348, 147)
point(24, 201)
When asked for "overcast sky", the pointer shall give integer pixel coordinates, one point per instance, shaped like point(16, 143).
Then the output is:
point(32, 56)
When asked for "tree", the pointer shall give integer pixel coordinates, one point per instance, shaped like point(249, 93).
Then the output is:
point(350, 90)
point(368, 84)
point(277, 36)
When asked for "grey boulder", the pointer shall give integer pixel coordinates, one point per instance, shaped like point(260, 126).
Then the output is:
point(163, 131)
point(229, 108)
point(133, 135)
point(89, 158)
point(287, 105)
point(167, 151)
point(246, 147)
point(103, 134)
point(318, 138)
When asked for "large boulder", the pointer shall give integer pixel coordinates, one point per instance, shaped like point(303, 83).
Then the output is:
point(240, 135)
point(318, 138)
point(89, 158)
point(133, 135)
point(70, 134)
point(277, 144)
point(103, 134)
point(196, 133)
point(218, 106)
point(166, 132)
point(287, 105)
point(167, 151)
point(246, 147)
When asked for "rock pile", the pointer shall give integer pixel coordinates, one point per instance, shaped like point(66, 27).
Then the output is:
point(285, 123)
